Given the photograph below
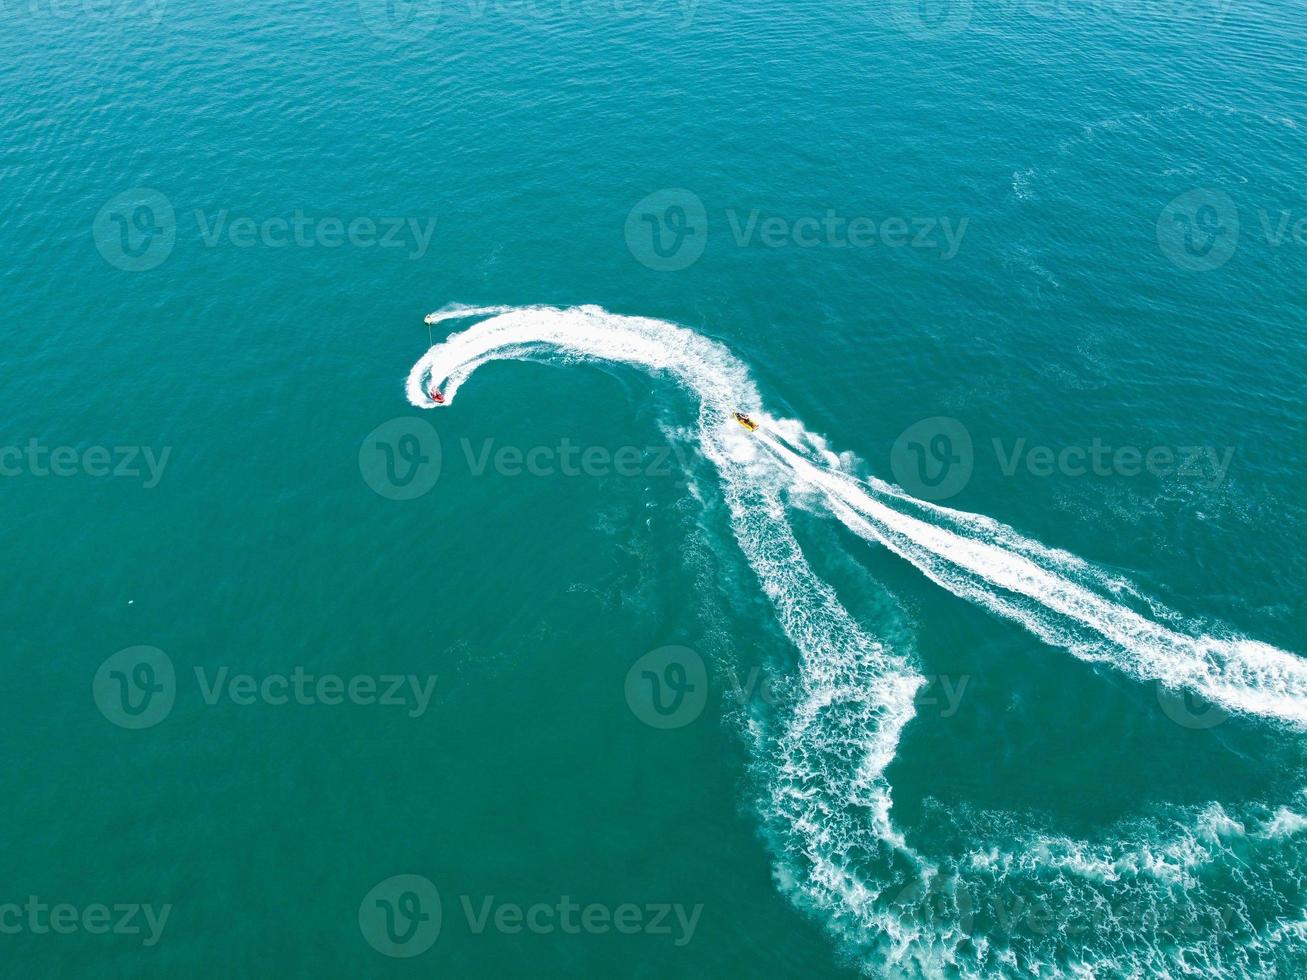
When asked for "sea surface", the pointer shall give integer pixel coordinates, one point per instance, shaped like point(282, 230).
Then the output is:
point(982, 655)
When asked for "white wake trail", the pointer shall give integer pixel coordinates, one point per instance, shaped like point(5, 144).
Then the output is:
point(1238, 674)
point(854, 695)
point(972, 556)
point(828, 801)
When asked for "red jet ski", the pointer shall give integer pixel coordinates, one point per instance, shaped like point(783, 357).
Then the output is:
point(437, 396)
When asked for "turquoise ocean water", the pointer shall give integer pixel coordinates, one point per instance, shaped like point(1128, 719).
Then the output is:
point(983, 656)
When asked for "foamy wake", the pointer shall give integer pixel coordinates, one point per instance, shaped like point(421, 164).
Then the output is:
point(829, 803)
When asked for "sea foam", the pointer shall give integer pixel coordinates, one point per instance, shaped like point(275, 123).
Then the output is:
point(827, 806)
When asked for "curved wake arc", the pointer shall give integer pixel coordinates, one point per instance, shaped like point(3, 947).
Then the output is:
point(972, 556)
point(827, 802)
